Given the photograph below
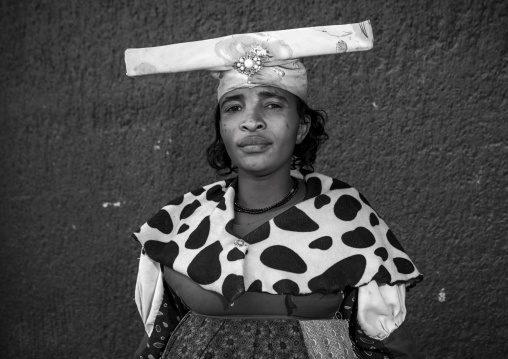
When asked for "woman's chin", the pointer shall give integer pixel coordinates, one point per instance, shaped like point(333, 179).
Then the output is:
point(258, 168)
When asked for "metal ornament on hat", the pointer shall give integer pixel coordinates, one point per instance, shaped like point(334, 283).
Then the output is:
point(252, 62)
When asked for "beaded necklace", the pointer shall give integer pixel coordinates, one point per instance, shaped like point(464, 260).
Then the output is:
point(288, 197)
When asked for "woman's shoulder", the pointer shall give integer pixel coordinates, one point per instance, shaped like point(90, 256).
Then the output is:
point(321, 184)
point(184, 211)
point(209, 192)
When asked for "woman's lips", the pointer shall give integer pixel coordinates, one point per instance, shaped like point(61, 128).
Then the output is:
point(254, 144)
point(253, 141)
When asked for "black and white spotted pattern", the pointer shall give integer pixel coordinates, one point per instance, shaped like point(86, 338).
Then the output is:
point(331, 240)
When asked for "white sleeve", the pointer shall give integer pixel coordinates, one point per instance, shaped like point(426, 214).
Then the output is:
point(381, 309)
point(149, 291)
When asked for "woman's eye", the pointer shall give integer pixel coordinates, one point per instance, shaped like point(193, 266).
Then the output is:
point(273, 105)
point(233, 108)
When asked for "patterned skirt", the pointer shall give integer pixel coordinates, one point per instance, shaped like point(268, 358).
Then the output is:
point(219, 337)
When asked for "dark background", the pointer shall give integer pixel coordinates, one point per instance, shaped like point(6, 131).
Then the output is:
point(418, 124)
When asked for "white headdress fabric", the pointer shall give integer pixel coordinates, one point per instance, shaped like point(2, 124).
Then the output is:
point(256, 59)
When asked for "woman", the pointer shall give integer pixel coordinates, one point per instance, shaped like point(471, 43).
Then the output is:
point(272, 263)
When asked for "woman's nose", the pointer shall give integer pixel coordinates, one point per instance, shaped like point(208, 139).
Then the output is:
point(253, 121)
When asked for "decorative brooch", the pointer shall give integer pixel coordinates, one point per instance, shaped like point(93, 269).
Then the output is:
point(252, 61)
point(239, 243)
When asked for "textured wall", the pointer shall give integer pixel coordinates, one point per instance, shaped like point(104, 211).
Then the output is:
point(419, 125)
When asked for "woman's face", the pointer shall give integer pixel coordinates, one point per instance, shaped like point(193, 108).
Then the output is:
point(260, 127)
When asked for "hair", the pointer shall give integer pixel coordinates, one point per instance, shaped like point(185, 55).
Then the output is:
point(304, 154)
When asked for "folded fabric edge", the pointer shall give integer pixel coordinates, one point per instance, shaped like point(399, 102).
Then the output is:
point(410, 283)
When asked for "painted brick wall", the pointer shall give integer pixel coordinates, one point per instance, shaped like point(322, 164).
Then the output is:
point(419, 125)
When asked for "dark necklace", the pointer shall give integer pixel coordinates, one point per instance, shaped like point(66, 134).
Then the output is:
point(285, 200)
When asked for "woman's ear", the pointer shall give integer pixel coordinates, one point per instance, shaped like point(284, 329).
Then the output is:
point(303, 128)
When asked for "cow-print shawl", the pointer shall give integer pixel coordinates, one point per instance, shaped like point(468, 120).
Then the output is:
point(331, 241)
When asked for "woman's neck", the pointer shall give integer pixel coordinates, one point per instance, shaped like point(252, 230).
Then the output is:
point(259, 192)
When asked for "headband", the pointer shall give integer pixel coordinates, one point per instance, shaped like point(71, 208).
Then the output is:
point(256, 59)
